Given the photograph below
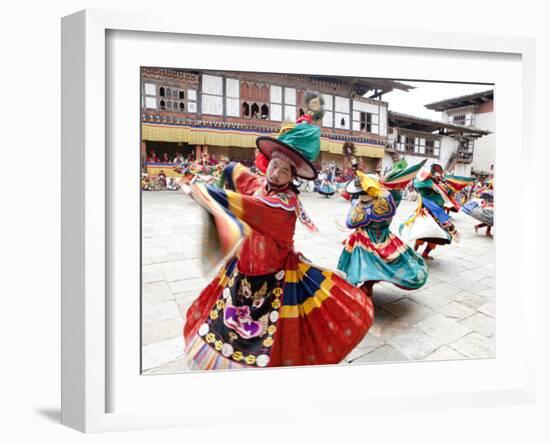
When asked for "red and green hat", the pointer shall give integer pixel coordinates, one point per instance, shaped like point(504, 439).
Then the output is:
point(298, 143)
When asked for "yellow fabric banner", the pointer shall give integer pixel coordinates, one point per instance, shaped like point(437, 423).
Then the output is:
point(235, 138)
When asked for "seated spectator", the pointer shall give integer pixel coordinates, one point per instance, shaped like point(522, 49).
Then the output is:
point(162, 179)
point(145, 183)
point(172, 185)
point(152, 158)
point(178, 159)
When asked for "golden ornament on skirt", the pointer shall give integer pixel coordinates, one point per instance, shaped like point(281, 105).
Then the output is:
point(250, 359)
point(381, 206)
point(261, 292)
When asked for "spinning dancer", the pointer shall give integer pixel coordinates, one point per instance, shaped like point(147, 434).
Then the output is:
point(372, 253)
point(430, 224)
point(482, 209)
point(453, 185)
point(268, 305)
point(326, 188)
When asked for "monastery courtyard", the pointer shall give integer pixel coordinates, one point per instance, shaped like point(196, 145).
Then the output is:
point(451, 317)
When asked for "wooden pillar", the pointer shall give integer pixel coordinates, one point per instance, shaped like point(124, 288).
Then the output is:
point(143, 150)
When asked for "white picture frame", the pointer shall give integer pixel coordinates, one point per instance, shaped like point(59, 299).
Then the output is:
point(88, 279)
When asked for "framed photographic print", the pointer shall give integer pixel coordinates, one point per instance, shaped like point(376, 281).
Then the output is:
point(265, 211)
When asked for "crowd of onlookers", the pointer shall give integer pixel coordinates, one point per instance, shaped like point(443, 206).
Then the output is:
point(159, 182)
point(208, 168)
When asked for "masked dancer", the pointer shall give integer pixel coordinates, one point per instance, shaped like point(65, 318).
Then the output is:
point(268, 305)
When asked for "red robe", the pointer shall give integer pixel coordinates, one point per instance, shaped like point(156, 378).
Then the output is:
point(269, 306)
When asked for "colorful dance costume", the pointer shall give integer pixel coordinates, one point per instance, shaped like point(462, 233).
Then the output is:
point(269, 306)
point(481, 208)
point(326, 188)
point(453, 185)
point(429, 223)
point(372, 253)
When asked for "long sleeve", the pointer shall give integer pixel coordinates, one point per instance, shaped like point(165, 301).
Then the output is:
point(263, 228)
point(262, 215)
point(240, 179)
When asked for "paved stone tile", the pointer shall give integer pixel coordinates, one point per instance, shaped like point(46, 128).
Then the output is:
point(151, 273)
point(452, 268)
point(146, 261)
point(407, 310)
point(487, 309)
point(369, 343)
point(158, 331)
point(480, 323)
point(472, 275)
point(174, 271)
point(444, 353)
point(432, 281)
point(183, 304)
point(446, 290)
point(383, 354)
point(169, 257)
point(468, 265)
point(483, 260)
point(443, 329)
point(471, 300)
point(160, 353)
point(468, 284)
point(487, 270)
point(192, 285)
point(156, 292)
point(153, 252)
point(488, 281)
point(387, 325)
point(429, 299)
point(454, 310)
point(488, 293)
point(179, 365)
point(475, 345)
point(471, 251)
point(159, 311)
point(382, 295)
point(414, 344)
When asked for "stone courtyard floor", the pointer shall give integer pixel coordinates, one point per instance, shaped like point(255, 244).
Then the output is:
point(451, 317)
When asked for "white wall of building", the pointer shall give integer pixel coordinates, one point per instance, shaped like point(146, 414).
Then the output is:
point(448, 146)
point(387, 161)
point(484, 147)
point(462, 169)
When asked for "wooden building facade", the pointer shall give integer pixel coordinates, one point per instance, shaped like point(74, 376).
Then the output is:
point(222, 113)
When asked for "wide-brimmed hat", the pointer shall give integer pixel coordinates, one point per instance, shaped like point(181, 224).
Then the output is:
point(299, 143)
point(364, 183)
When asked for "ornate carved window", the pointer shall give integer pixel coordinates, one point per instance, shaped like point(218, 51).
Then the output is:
point(245, 110)
point(265, 112)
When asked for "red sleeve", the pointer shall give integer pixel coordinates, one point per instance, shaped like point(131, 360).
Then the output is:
point(240, 179)
point(272, 216)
